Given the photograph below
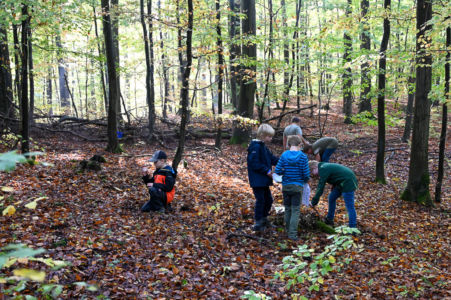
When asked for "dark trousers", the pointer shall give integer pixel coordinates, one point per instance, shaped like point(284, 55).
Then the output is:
point(264, 202)
point(157, 200)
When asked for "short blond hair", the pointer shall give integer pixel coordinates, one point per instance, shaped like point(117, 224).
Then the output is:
point(313, 164)
point(294, 140)
point(265, 130)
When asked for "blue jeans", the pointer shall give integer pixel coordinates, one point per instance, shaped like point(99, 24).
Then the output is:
point(349, 203)
point(327, 154)
point(264, 202)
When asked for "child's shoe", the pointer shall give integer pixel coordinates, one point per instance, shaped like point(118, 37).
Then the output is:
point(267, 223)
point(329, 222)
point(259, 225)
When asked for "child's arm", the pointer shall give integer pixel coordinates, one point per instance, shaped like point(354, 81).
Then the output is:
point(280, 167)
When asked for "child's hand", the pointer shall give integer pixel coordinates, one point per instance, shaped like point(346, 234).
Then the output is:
point(150, 184)
point(145, 171)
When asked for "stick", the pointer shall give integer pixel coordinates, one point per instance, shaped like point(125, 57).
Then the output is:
point(288, 112)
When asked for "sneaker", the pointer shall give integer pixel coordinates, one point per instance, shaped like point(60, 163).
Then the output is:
point(329, 222)
point(293, 239)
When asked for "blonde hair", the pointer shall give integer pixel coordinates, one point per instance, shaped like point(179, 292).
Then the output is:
point(294, 140)
point(313, 164)
point(265, 130)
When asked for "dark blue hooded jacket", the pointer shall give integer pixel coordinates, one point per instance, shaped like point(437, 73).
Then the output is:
point(259, 162)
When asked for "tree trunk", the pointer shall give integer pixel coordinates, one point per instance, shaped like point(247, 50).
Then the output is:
point(49, 90)
point(380, 174)
point(114, 15)
point(62, 73)
point(148, 49)
point(347, 75)
point(17, 84)
point(164, 69)
point(31, 75)
point(417, 189)
point(220, 73)
point(25, 124)
point(409, 109)
point(241, 134)
point(6, 84)
point(365, 79)
point(101, 64)
point(185, 88)
point(113, 145)
point(234, 31)
point(441, 156)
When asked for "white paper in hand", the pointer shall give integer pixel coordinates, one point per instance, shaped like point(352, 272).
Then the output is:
point(277, 178)
point(306, 195)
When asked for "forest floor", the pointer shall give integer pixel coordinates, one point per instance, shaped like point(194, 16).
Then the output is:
point(205, 248)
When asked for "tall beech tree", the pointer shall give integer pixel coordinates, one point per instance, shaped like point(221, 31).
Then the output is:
point(441, 156)
point(241, 133)
point(380, 174)
point(365, 45)
point(148, 49)
point(185, 87)
point(417, 189)
point(347, 72)
point(113, 91)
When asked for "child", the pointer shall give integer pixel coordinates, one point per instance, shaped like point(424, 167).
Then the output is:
point(322, 148)
point(259, 162)
point(161, 185)
point(343, 181)
point(293, 129)
point(293, 165)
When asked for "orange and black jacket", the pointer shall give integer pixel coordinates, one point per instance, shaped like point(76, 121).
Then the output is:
point(163, 179)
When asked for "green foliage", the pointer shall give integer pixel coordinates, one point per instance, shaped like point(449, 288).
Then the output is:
point(9, 160)
point(296, 269)
point(251, 295)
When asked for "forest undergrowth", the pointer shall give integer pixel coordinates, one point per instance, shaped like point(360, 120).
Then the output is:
point(205, 248)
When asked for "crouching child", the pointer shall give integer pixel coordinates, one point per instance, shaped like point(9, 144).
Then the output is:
point(293, 165)
point(160, 185)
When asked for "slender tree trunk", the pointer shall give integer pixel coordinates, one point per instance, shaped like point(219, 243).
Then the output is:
point(365, 45)
point(347, 75)
point(115, 29)
point(31, 75)
point(380, 174)
point(6, 85)
point(409, 109)
point(64, 89)
point(25, 124)
point(49, 90)
point(113, 144)
point(234, 31)
point(71, 95)
point(185, 87)
point(417, 189)
point(17, 64)
point(148, 49)
point(163, 68)
point(220, 51)
point(241, 134)
point(101, 64)
point(441, 156)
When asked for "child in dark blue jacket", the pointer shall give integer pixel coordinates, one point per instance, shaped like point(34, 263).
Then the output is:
point(259, 167)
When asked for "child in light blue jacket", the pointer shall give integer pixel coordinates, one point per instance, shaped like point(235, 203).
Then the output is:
point(293, 165)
